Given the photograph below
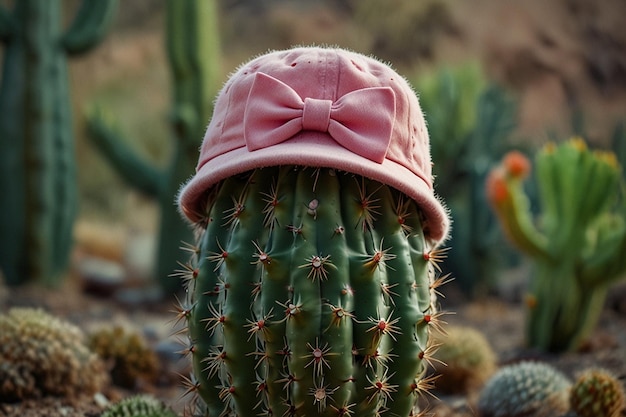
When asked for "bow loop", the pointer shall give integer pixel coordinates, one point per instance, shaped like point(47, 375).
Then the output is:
point(360, 121)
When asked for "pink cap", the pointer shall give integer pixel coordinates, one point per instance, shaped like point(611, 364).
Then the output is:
point(319, 107)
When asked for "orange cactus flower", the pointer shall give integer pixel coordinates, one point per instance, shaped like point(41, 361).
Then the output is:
point(516, 164)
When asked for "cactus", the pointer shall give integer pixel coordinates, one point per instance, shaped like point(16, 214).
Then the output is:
point(193, 50)
point(579, 244)
point(128, 354)
point(463, 361)
point(312, 293)
point(37, 162)
point(138, 406)
point(469, 121)
point(597, 393)
point(41, 354)
point(525, 389)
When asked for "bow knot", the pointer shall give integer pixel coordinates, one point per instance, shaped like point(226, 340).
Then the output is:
point(316, 114)
point(360, 121)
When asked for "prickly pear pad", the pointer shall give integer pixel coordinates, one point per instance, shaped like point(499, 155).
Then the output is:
point(310, 293)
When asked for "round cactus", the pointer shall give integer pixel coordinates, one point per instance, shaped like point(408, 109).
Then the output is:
point(312, 293)
point(128, 353)
point(43, 355)
point(526, 389)
point(139, 406)
point(597, 393)
point(463, 361)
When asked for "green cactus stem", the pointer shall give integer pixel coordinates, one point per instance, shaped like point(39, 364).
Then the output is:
point(37, 161)
point(193, 51)
point(577, 247)
point(311, 293)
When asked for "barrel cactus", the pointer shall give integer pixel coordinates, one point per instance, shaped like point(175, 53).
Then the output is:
point(525, 389)
point(312, 284)
point(131, 359)
point(597, 393)
point(464, 359)
point(139, 406)
point(41, 355)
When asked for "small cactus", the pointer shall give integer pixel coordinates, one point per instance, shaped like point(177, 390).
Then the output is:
point(526, 389)
point(597, 393)
point(139, 406)
point(463, 361)
point(43, 355)
point(131, 359)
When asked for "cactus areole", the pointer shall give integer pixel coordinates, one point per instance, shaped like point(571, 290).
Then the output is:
point(311, 286)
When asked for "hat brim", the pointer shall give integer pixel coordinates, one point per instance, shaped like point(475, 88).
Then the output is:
point(315, 149)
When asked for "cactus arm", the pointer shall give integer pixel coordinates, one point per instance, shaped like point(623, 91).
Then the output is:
point(605, 263)
point(511, 206)
point(89, 26)
point(134, 169)
point(193, 51)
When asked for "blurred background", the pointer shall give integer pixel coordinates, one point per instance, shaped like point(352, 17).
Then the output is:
point(492, 75)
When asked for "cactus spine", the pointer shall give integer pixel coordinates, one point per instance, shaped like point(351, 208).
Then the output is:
point(37, 163)
point(578, 247)
point(311, 294)
point(193, 50)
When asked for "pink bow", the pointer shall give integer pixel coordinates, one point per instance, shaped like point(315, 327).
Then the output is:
point(360, 121)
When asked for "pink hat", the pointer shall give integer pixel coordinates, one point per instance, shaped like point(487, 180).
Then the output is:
point(325, 108)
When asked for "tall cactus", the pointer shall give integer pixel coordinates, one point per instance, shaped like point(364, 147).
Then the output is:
point(469, 122)
point(37, 161)
point(311, 294)
point(193, 51)
point(578, 246)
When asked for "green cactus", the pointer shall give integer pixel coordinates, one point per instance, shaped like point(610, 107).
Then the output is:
point(578, 246)
point(463, 361)
point(41, 354)
point(525, 389)
point(37, 162)
point(130, 358)
point(469, 122)
point(193, 51)
point(597, 393)
point(274, 323)
point(138, 406)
